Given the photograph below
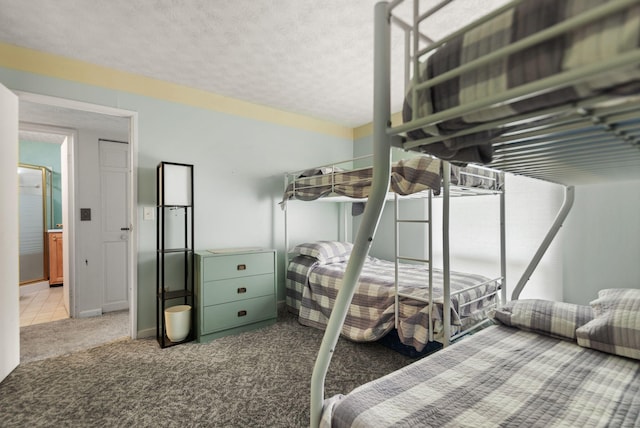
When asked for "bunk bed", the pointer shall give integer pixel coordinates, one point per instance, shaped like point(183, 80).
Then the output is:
point(403, 296)
point(548, 90)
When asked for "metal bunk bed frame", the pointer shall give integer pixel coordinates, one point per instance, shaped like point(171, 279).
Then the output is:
point(290, 181)
point(534, 153)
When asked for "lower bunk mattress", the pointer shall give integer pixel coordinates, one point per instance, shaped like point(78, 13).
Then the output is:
point(313, 284)
point(501, 376)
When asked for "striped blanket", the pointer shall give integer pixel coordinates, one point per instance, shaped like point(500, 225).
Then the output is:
point(596, 42)
point(499, 377)
point(312, 288)
point(408, 176)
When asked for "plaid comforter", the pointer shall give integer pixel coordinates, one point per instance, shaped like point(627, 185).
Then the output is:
point(408, 176)
point(312, 289)
point(499, 377)
point(597, 42)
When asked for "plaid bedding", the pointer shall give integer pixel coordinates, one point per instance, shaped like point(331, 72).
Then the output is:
point(502, 377)
point(596, 42)
point(312, 288)
point(408, 176)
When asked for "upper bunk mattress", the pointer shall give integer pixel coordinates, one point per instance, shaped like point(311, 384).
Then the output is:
point(408, 176)
point(596, 42)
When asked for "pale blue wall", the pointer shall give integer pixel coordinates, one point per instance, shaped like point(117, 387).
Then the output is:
point(239, 166)
point(474, 235)
point(602, 247)
point(598, 247)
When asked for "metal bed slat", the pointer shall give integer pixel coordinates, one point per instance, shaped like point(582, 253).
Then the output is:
point(514, 120)
point(562, 153)
point(588, 159)
point(535, 149)
point(587, 166)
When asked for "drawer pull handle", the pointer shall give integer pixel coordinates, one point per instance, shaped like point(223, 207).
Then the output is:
point(242, 267)
point(242, 313)
point(242, 290)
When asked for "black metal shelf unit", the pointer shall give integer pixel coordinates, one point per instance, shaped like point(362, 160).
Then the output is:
point(175, 256)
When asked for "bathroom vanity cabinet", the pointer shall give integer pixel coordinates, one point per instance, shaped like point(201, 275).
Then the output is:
point(56, 276)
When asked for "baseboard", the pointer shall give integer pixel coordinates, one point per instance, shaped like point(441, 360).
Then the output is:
point(90, 313)
point(118, 306)
point(147, 332)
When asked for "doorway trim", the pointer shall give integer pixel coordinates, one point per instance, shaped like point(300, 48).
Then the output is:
point(67, 148)
point(73, 181)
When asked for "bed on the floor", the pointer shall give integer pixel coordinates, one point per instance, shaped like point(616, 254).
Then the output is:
point(548, 89)
point(527, 371)
point(314, 277)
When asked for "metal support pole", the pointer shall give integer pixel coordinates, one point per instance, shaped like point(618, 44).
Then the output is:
point(396, 213)
point(569, 195)
point(503, 242)
point(372, 212)
point(446, 285)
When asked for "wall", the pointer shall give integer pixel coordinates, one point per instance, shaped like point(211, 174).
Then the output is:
point(239, 164)
point(48, 155)
point(531, 206)
point(9, 297)
point(602, 245)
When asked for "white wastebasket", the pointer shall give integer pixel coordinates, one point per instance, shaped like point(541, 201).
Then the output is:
point(178, 322)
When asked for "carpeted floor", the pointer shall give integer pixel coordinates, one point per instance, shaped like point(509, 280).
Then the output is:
point(40, 341)
point(256, 379)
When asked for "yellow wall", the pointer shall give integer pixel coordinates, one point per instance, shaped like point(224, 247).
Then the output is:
point(37, 62)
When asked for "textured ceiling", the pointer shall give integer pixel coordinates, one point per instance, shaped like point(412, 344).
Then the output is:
point(109, 126)
point(306, 56)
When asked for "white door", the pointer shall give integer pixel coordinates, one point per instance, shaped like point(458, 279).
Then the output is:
point(114, 181)
point(9, 271)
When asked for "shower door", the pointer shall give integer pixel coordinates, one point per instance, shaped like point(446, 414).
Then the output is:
point(35, 217)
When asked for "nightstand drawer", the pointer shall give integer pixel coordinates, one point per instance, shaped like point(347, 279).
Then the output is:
point(237, 265)
point(229, 290)
point(229, 315)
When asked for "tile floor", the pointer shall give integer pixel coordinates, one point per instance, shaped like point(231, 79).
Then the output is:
point(42, 306)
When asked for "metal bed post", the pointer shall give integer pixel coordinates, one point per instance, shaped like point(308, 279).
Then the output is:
point(373, 209)
point(430, 258)
point(286, 220)
point(446, 274)
point(567, 203)
point(503, 241)
point(396, 259)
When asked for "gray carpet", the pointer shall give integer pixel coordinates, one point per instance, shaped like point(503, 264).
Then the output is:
point(256, 379)
point(40, 341)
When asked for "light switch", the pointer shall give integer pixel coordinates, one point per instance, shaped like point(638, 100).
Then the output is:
point(148, 213)
point(85, 214)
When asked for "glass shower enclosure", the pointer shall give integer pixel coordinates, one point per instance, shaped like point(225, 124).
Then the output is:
point(36, 217)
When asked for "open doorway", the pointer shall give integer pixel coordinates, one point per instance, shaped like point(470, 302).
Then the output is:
point(86, 282)
point(43, 179)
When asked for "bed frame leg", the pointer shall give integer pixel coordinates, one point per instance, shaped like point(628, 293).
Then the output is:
point(372, 212)
point(569, 195)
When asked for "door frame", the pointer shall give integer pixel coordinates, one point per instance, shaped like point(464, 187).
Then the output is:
point(67, 149)
point(73, 181)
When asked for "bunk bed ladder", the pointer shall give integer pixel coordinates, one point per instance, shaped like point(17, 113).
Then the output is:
point(428, 260)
